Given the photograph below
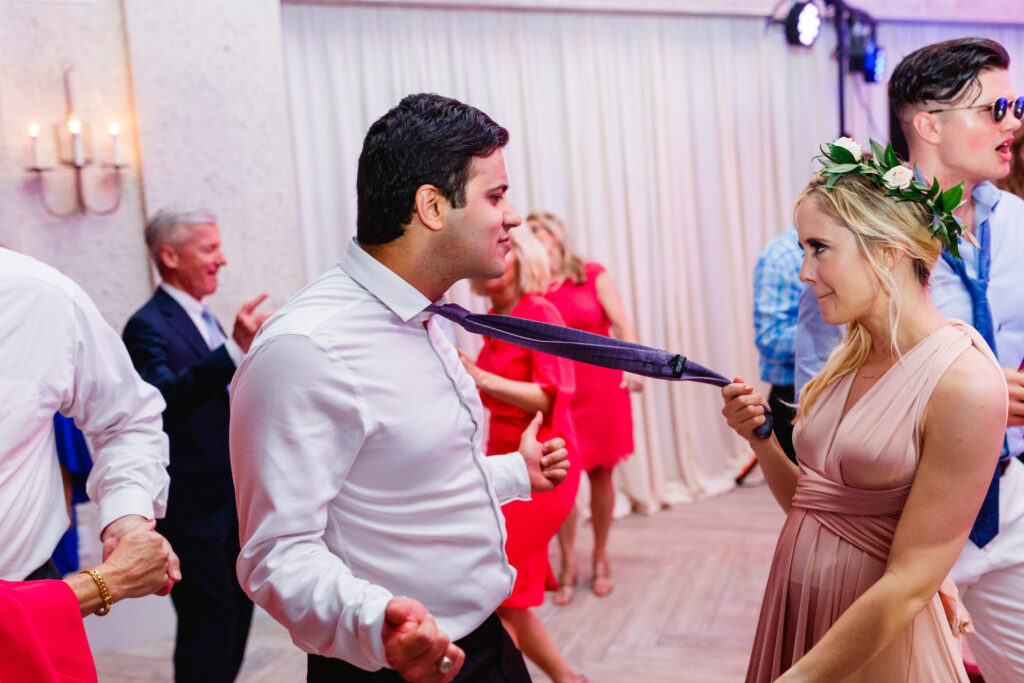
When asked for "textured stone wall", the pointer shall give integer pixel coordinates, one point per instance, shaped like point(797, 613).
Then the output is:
point(208, 79)
point(102, 253)
point(198, 88)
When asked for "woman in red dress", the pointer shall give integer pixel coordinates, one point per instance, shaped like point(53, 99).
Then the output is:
point(515, 384)
point(41, 630)
point(588, 300)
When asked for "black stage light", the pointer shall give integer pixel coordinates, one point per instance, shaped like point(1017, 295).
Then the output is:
point(865, 55)
point(803, 23)
point(874, 64)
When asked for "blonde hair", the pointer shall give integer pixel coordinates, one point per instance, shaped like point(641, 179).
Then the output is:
point(572, 265)
point(533, 274)
point(877, 223)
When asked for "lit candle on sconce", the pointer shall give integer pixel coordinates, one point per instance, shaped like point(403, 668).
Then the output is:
point(75, 158)
point(33, 134)
point(75, 128)
point(115, 129)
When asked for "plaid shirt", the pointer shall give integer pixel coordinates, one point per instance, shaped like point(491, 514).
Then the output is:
point(777, 290)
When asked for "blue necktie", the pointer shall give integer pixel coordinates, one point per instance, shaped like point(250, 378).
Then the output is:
point(586, 347)
point(986, 525)
point(213, 329)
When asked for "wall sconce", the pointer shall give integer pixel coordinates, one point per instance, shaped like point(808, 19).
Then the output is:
point(72, 141)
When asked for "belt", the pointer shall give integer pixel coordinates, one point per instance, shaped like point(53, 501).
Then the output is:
point(47, 570)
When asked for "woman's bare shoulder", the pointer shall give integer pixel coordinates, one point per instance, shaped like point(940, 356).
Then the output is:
point(972, 388)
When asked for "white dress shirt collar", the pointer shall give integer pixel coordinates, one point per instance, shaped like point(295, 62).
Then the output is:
point(193, 306)
point(398, 295)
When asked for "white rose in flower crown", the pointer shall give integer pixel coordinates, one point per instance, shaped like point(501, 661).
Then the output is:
point(851, 146)
point(898, 178)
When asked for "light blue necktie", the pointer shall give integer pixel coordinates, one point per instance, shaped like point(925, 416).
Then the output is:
point(214, 334)
point(986, 526)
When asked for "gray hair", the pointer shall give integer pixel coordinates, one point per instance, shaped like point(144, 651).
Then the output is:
point(173, 226)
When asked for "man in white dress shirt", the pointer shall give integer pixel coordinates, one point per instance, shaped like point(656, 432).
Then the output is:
point(370, 520)
point(58, 354)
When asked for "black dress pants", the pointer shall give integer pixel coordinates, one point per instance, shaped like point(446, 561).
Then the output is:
point(48, 570)
point(214, 613)
point(783, 417)
point(491, 657)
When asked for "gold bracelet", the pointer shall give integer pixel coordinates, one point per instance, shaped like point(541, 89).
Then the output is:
point(104, 593)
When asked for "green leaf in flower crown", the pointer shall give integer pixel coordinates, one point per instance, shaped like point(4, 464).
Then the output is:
point(832, 178)
point(953, 246)
point(890, 156)
point(934, 190)
point(843, 168)
point(918, 186)
point(951, 197)
point(877, 151)
point(841, 155)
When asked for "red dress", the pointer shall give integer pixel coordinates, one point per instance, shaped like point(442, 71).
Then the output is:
point(42, 639)
point(532, 524)
point(600, 407)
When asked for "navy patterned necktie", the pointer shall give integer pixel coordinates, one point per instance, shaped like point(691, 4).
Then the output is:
point(586, 347)
point(986, 525)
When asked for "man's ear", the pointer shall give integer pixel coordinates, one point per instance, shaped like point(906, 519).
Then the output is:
point(926, 126)
point(168, 257)
point(431, 207)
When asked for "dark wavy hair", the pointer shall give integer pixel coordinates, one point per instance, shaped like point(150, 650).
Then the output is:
point(426, 140)
point(944, 72)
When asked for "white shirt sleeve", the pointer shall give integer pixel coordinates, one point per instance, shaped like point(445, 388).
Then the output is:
point(511, 480)
point(120, 415)
point(234, 351)
point(297, 426)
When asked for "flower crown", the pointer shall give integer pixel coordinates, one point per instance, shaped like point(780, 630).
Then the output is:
point(844, 156)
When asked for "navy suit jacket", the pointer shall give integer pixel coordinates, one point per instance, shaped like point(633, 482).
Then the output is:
point(170, 353)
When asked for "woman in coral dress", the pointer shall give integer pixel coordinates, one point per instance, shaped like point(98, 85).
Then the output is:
point(515, 384)
point(588, 300)
point(896, 442)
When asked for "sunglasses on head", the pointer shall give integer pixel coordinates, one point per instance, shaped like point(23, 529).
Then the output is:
point(999, 108)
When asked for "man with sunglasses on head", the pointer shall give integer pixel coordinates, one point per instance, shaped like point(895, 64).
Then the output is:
point(958, 110)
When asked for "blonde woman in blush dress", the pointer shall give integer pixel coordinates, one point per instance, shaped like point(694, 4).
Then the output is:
point(587, 298)
point(896, 440)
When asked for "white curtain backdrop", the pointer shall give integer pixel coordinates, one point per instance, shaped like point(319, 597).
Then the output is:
point(672, 145)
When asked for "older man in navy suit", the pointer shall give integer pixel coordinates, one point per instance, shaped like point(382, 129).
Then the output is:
point(177, 345)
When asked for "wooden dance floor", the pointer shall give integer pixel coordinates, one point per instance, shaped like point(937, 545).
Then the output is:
point(688, 584)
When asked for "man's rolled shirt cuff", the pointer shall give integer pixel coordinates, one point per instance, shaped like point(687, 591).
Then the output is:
point(128, 500)
point(234, 351)
point(510, 477)
point(371, 628)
